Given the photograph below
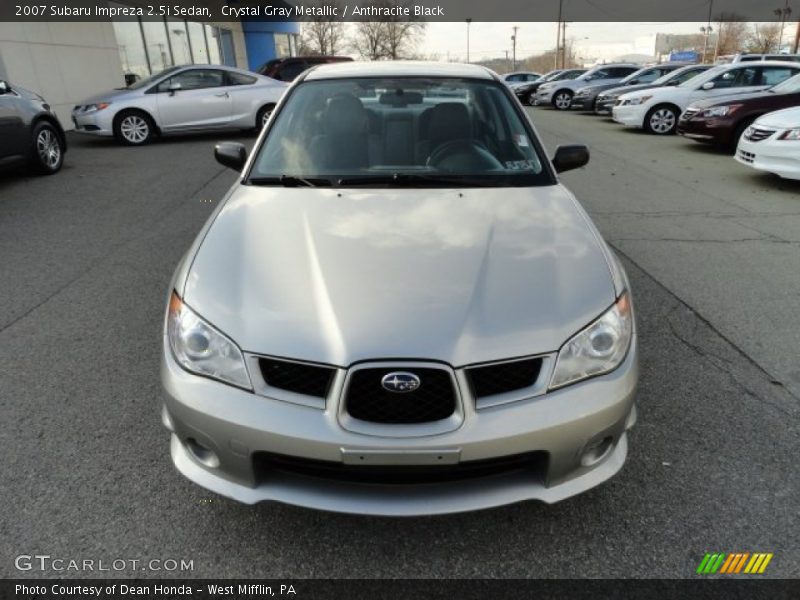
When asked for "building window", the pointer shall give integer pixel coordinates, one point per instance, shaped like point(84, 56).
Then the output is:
point(179, 40)
point(283, 46)
point(157, 44)
point(131, 48)
point(197, 40)
point(147, 47)
point(226, 47)
point(212, 40)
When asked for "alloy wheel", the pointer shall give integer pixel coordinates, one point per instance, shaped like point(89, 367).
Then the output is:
point(134, 129)
point(662, 120)
point(48, 148)
point(563, 100)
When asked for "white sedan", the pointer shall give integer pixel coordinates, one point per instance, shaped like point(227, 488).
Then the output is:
point(180, 100)
point(772, 144)
point(657, 110)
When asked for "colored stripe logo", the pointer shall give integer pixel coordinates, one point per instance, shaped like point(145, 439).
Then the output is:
point(734, 563)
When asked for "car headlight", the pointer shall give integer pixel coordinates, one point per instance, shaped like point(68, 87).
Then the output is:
point(597, 349)
point(721, 111)
point(90, 108)
point(638, 100)
point(790, 135)
point(200, 348)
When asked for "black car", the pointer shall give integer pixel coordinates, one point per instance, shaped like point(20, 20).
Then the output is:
point(606, 100)
point(287, 69)
point(29, 131)
point(527, 92)
point(586, 97)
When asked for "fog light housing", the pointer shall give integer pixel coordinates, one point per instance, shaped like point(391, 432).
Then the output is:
point(202, 454)
point(596, 451)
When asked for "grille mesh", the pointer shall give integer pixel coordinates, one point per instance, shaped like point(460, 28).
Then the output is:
point(505, 377)
point(757, 134)
point(300, 378)
point(433, 400)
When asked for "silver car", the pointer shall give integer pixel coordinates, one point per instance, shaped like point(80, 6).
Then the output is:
point(398, 309)
point(180, 100)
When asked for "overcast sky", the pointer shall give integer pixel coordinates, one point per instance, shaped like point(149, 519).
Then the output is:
point(491, 40)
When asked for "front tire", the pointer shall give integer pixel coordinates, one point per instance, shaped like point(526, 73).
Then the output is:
point(661, 120)
point(562, 100)
point(264, 113)
point(134, 128)
point(48, 149)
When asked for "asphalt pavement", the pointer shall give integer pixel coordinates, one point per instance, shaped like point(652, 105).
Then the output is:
point(712, 252)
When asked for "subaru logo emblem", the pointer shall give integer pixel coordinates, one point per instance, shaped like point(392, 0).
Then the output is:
point(400, 382)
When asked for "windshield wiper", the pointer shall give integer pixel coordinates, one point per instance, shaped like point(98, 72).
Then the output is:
point(289, 181)
point(412, 179)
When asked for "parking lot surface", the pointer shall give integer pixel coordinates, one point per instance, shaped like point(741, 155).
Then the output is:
point(712, 252)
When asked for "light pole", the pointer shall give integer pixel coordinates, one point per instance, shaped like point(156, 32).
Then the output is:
point(783, 13)
point(558, 33)
point(706, 32)
point(514, 49)
point(468, 23)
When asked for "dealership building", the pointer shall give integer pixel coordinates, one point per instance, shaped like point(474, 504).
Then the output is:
point(70, 60)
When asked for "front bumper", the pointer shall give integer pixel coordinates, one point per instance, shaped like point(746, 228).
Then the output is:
point(714, 131)
point(773, 156)
point(583, 103)
point(238, 425)
point(630, 116)
point(98, 123)
point(604, 107)
point(543, 96)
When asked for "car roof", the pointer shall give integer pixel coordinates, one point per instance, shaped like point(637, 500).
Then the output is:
point(410, 68)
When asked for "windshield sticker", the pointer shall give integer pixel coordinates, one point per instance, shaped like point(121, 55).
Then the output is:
point(521, 140)
point(520, 165)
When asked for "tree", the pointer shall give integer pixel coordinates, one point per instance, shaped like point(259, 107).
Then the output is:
point(367, 39)
point(394, 37)
point(732, 33)
point(323, 35)
point(764, 38)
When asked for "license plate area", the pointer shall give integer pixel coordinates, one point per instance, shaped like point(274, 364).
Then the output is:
point(364, 457)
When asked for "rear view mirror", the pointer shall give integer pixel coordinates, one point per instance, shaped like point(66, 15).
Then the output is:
point(570, 157)
point(4, 87)
point(174, 87)
point(709, 85)
point(231, 154)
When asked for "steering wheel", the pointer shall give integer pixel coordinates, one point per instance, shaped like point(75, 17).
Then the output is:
point(473, 151)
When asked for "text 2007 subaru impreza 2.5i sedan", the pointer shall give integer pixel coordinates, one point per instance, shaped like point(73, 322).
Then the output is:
point(398, 309)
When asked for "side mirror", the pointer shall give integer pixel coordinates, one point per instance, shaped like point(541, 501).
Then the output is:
point(231, 154)
point(173, 87)
point(708, 85)
point(4, 87)
point(570, 157)
point(633, 82)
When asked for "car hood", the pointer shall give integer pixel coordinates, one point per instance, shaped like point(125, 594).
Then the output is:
point(624, 89)
point(108, 96)
point(338, 276)
point(786, 118)
point(743, 97)
point(595, 89)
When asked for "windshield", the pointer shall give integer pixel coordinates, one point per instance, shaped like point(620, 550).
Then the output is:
point(634, 75)
point(399, 131)
point(152, 79)
point(703, 77)
point(789, 86)
point(551, 75)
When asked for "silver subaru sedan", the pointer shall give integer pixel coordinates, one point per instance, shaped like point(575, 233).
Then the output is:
point(183, 99)
point(398, 309)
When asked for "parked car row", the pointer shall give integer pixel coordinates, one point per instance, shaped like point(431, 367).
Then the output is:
point(749, 105)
